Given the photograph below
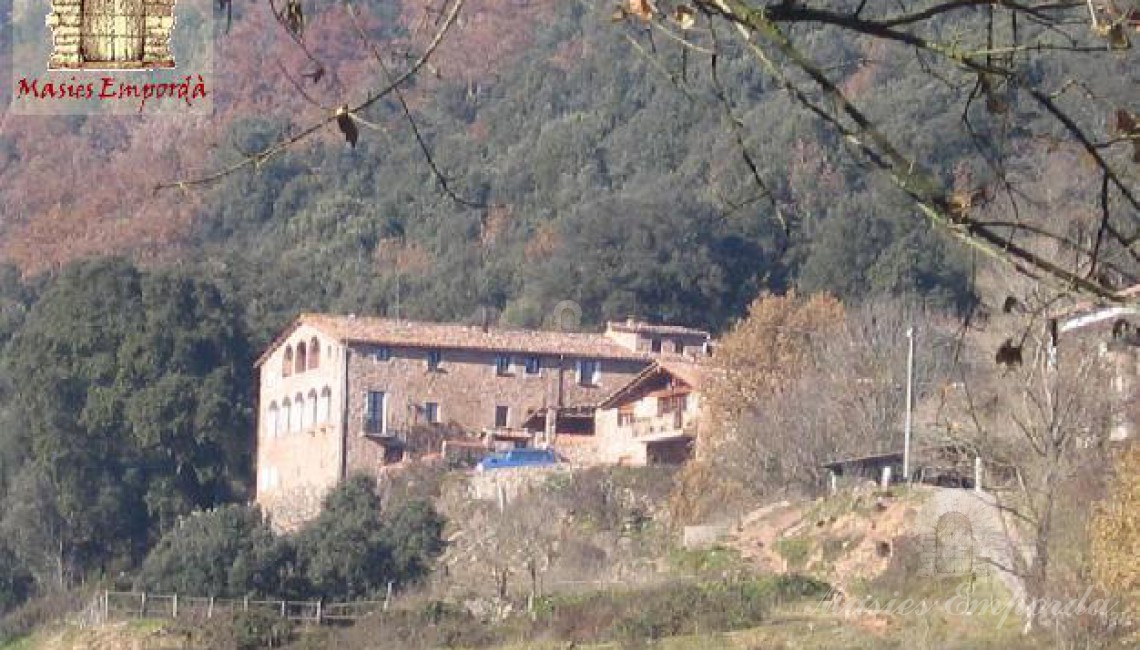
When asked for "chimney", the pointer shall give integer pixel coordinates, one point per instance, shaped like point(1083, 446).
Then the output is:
point(486, 320)
point(630, 321)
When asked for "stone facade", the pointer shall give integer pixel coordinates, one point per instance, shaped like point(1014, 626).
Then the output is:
point(299, 450)
point(339, 395)
point(155, 26)
point(654, 419)
point(467, 389)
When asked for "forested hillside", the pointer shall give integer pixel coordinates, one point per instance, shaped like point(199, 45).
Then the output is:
point(598, 182)
point(588, 170)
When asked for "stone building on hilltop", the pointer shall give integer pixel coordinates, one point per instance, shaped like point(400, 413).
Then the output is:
point(341, 394)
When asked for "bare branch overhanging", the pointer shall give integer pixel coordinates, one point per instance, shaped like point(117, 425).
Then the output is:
point(760, 22)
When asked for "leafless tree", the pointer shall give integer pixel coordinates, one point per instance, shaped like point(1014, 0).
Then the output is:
point(848, 401)
point(1043, 429)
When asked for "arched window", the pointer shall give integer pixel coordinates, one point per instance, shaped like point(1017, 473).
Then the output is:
point(313, 404)
point(302, 358)
point(299, 407)
point(326, 405)
point(287, 363)
point(286, 417)
point(271, 420)
point(314, 353)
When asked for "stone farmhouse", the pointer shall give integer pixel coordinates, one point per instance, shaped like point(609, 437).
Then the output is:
point(653, 419)
point(342, 394)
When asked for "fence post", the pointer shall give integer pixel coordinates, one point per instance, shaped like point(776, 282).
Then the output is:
point(106, 604)
point(142, 605)
point(318, 612)
point(245, 604)
point(283, 609)
point(388, 596)
point(174, 606)
point(210, 608)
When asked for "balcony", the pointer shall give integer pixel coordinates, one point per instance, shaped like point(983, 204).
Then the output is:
point(671, 426)
point(376, 430)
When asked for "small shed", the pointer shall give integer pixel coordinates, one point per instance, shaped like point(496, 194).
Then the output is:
point(943, 465)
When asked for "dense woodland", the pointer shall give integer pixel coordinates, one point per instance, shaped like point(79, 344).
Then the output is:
point(129, 320)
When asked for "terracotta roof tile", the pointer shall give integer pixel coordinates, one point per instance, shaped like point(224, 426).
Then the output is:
point(387, 331)
point(687, 370)
point(651, 328)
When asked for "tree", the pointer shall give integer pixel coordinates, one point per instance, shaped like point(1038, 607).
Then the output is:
point(228, 552)
point(762, 358)
point(350, 551)
point(805, 384)
point(133, 389)
point(1016, 72)
point(1116, 533)
point(414, 533)
point(1042, 427)
point(35, 532)
point(16, 583)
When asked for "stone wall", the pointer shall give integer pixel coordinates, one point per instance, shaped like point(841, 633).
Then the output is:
point(308, 460)
point(467, 388)
point(510, 482)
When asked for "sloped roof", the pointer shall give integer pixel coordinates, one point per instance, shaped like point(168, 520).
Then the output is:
point(641, 327)
point(388, 331)
point(688, 371)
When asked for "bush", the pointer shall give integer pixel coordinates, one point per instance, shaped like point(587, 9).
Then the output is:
point(612, 499)
point(229, 552)
point(37, 612)
point(15, 582)
point(251, 630)
point(796, 550)
point(350, 551)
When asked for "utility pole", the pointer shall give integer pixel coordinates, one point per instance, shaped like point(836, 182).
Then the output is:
point(909, 398)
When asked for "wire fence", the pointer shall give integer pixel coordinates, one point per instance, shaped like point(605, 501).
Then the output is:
point(113, 605)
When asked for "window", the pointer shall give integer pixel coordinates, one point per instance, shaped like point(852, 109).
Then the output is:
point(271, 424)
point(588, 372)
point(286, 417)
point(502, 416)
point(314, 354)
point(679, 346)
point(434, 358)
point(299, 411)
point(314, 409)
point(375, 420)
point(533, 365)
point(502, 364)
point(382, 353)
point(431, 412)
point(302, 358)
point(625, 415)
point(287, 362)
point(267, 478)
point(326, 405)
point(671, 404)
point(655, 345)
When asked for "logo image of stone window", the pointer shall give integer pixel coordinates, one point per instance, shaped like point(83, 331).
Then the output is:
point(111, 34)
